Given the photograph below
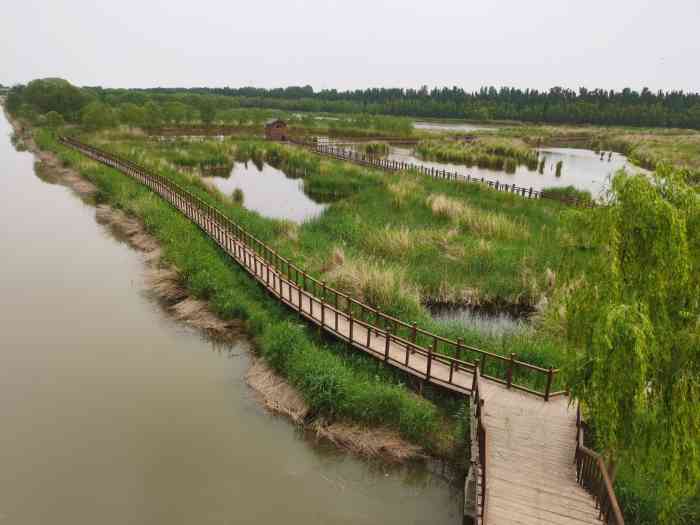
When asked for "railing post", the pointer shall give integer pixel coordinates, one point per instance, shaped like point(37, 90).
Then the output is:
point(511, 364)
point(336, 310)
point(547, 390)
point(387, 344)
point(431, 351)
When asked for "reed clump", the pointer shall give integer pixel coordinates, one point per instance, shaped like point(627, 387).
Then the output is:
point(479, 222)
point(488, 153)
point(402, 191)
point(375, 283)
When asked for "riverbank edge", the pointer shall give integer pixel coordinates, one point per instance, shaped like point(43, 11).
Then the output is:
point(370, 441)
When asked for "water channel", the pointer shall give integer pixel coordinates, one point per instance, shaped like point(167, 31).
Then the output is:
point(113, 413)
point(269, 191)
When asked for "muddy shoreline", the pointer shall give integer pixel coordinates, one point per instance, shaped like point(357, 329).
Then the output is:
point(273, 391)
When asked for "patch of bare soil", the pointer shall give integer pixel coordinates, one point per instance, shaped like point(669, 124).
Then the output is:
point(280, 397)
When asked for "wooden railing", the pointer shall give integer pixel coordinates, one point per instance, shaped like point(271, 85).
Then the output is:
point(395, 165)
point(592, 475)
point(475, 484)
point(405, 345)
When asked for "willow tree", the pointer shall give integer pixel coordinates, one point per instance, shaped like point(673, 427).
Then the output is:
point(634, 321)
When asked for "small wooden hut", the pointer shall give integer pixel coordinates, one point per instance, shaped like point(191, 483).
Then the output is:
point(276, 129)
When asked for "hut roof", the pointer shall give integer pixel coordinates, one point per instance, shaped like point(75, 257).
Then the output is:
point(274, 121)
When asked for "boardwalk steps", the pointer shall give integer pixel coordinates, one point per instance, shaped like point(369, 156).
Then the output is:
point(523, 448)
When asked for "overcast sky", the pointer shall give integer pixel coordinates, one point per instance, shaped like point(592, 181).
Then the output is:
point(354, 43)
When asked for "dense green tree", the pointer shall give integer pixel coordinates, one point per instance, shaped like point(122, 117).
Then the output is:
point(207, 111)
point(635, 325)
point(55, 94)
point(131, 114)
point(54, 119)
point(153, 115)
point(174, 112)
point(97, 115)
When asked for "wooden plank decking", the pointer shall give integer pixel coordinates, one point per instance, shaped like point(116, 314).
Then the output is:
point(530, 443)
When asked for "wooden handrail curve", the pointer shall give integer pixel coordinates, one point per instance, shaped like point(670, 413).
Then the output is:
point(592, 475)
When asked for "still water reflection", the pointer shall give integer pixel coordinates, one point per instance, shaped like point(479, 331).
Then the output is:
point(581, 168)
point(112, 413)
point(269, 191)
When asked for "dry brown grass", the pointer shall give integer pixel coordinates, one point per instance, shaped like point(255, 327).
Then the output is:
point(166, 284)
point(335, 259)
point(280, 397)
point(196, 313)
point(392, 241)
point(444, 206)
point(479, 222)
point(373, 443)
point(373, 282)
point(277, 395)
point(287, 229)
point(402, 191)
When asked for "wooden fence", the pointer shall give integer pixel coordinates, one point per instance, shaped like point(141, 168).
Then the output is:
point(417, 351)
point(592, 475)
point(363, 159)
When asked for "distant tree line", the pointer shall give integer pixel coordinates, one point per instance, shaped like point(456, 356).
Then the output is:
point(156, 106)
point(557, 105)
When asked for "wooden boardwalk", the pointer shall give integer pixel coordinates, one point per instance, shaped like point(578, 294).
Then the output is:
point(531, 476)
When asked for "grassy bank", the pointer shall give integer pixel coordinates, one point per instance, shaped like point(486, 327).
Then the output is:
point(334, 382)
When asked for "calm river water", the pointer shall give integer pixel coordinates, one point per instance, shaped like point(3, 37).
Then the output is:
point(112, 413)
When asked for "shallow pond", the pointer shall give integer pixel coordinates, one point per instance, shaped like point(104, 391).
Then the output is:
point(581, 168)
point(113, 413)
point(480, 320)
point(269, 191)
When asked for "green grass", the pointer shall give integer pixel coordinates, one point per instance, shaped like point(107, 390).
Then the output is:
point(568, 193)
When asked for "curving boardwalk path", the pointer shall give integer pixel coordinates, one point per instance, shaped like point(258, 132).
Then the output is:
point(530, 443)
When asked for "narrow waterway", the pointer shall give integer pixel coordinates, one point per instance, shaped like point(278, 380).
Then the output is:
point(112, 413)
